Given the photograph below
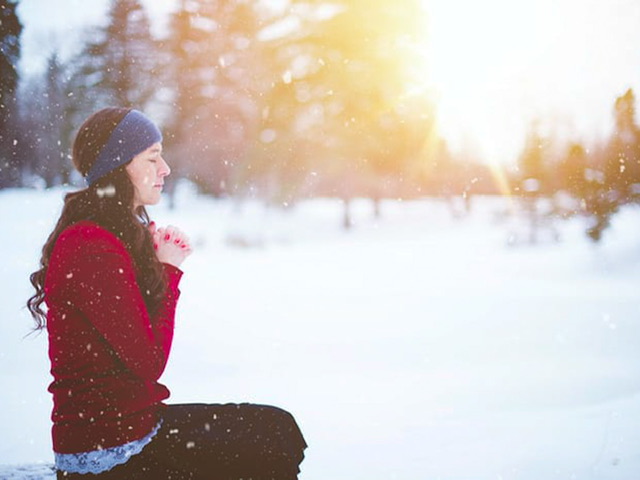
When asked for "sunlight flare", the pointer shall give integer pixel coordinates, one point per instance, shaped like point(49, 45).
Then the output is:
point(498, 65)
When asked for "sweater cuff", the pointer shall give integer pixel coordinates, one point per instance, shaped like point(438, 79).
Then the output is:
point(174, 274)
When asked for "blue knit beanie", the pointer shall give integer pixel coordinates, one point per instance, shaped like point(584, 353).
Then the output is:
point(133, 135)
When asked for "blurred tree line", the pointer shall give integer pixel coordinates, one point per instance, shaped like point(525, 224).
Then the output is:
point(283, 101)
point(280, 102)
point(594, 180)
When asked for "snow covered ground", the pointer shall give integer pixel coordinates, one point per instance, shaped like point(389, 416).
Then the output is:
point(416, 346)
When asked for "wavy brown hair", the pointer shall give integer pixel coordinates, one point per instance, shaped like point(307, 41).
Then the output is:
point(109, 203)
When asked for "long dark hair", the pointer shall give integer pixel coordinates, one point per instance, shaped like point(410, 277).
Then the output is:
point(109, 203)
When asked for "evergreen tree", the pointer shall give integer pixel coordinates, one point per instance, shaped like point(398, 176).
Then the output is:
point(10, 31)
point(47, 112)
point(214, 62)
point(532, 164)
point(320, 103)
point(620, 171)
point(573, 172)
point(533, 181)
point(335, 109)
point(119, 63)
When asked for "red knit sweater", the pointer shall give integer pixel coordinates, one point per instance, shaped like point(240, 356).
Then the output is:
point(106, 352)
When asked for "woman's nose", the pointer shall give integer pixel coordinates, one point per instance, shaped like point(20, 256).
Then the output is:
point(164, 170)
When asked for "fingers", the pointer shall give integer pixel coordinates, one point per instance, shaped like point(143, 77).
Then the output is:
point(171, 245)
point(171, 235)
point(175, 236)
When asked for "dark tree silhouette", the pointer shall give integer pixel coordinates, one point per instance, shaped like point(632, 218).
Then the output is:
point(10, 32)
point(618, 180)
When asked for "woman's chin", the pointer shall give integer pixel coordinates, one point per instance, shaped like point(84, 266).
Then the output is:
point(153, 199)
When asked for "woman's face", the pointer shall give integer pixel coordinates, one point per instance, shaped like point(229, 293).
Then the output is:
point(147, 171)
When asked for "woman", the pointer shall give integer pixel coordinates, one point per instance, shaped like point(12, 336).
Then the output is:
point(110, 279)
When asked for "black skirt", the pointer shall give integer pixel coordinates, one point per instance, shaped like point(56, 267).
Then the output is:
point(216, 442)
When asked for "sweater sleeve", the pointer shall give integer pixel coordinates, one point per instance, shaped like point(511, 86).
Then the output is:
point(101, 281)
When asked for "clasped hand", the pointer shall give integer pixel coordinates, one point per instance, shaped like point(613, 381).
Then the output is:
point(171, 244)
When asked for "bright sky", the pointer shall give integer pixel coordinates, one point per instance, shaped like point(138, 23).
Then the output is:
point(495, 64)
